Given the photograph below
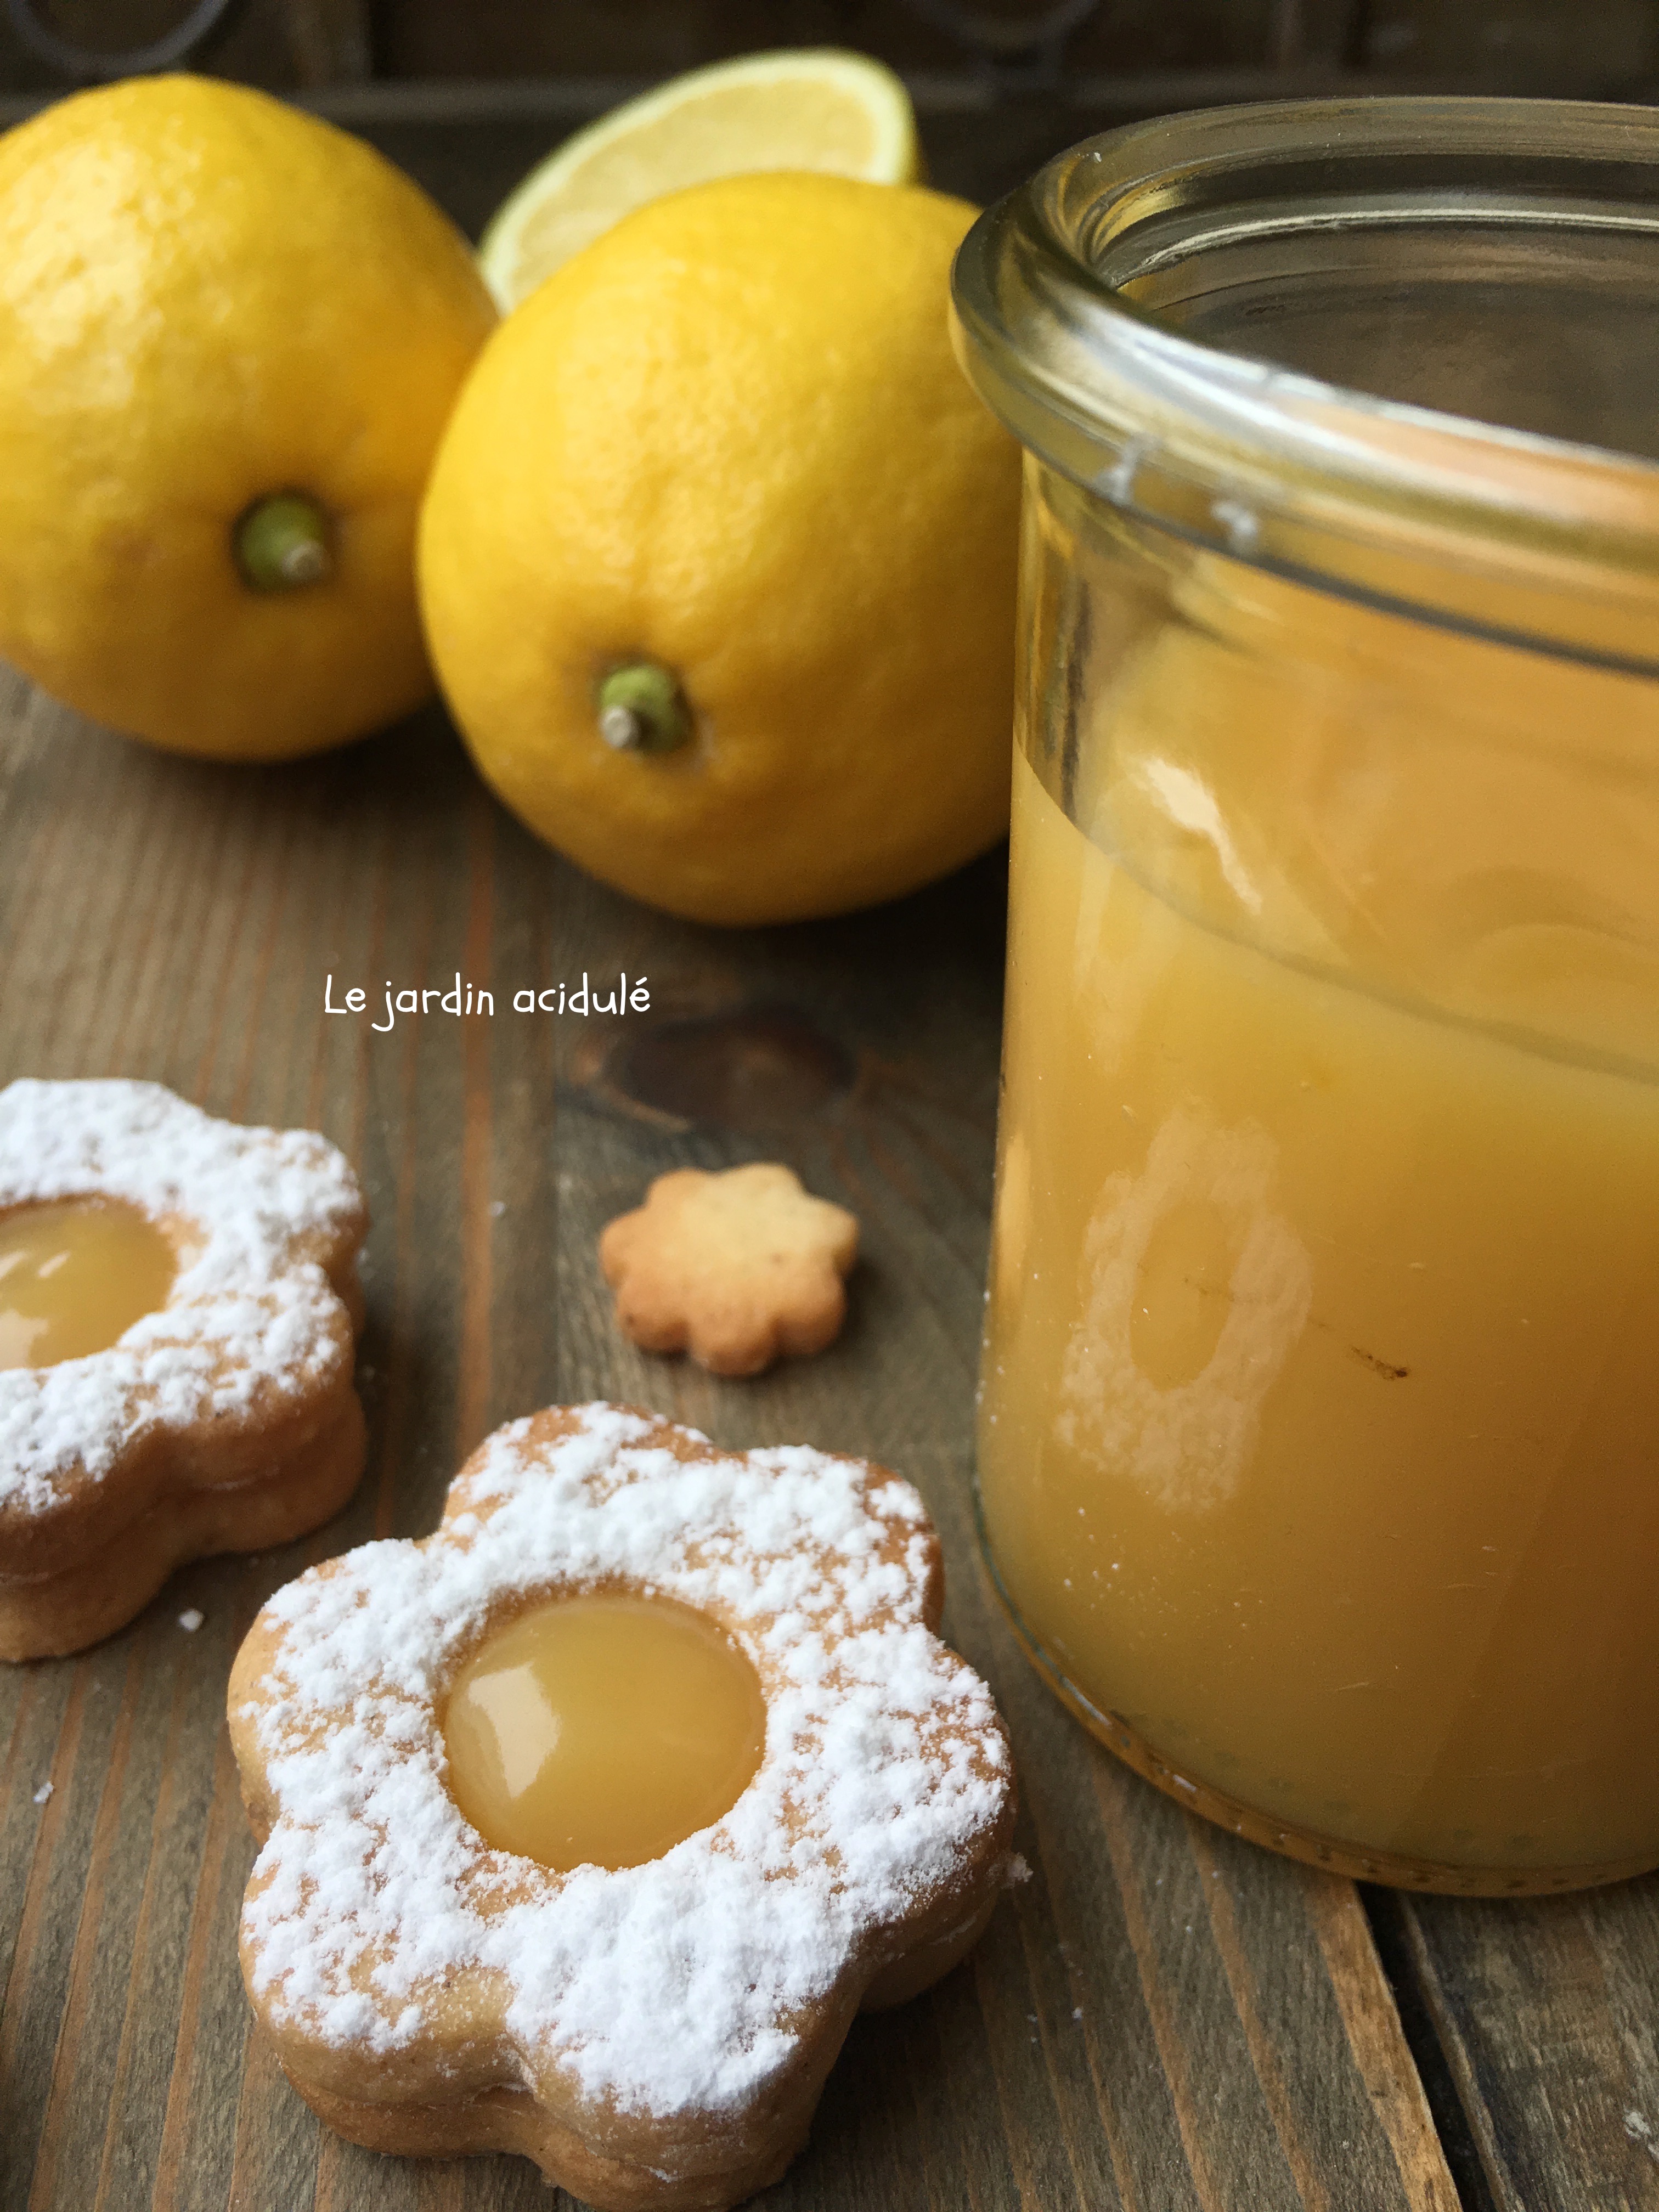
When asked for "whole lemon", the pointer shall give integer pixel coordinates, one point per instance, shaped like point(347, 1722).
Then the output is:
point(718, 557)
point(229, 338)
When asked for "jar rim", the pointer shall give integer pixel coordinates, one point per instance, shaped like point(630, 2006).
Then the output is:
point(1535, 539)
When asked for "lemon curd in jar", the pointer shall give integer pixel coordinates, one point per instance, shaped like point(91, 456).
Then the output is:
point(1319, 1445)
point(601, 1729)
point(75, 1274)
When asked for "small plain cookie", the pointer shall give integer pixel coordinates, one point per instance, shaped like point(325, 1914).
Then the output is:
point(654, 2033)
point(738, 1268)
point(179, 1299)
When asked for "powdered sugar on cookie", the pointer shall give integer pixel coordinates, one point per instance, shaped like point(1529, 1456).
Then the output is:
point(678, 1986)
point(250, 1313)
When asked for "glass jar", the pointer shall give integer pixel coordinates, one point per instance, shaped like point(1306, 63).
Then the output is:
point(1319, 1444)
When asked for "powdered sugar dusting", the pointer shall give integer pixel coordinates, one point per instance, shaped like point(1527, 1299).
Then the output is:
point(673, 1986)
point(251, 1314)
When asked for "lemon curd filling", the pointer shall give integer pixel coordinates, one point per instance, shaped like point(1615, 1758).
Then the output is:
point(603, 1731)
point(75, 1274)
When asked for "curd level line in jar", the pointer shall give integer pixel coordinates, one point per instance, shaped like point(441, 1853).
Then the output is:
point(1320, 1423)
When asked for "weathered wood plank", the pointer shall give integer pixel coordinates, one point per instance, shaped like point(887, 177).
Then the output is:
point(1160, 2019)
point(1545, 2007)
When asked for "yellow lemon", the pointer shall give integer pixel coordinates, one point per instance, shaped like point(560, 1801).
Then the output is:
point(229, 338)
point(717, 560)
point(816, 108)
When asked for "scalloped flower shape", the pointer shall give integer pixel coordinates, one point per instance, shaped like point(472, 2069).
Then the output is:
point(659, 2034)
point(223, 1420)
point(739, 1267)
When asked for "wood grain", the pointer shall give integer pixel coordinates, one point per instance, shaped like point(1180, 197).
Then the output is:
point(1545, 2009)
point(1161, 2017)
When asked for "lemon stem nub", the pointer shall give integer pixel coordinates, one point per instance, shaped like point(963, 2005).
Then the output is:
point(641, 709)
point(284, 542)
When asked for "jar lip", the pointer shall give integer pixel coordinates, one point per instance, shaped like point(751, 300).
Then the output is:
point(1392, 500)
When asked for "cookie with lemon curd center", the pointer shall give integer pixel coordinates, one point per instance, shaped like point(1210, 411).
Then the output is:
point(495, 1908)
point(178, 1303)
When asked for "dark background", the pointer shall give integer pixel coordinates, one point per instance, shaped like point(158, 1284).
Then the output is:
point(1607, 49)
point(999, 85)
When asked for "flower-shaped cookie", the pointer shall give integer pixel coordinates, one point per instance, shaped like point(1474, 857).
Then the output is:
point(222, 1419)
point(658, 2034)
point(737, 1268)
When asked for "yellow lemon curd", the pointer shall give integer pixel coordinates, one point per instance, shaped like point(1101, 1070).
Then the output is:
point(75, 1274)
point(1320, 1422)
point(603, 1731)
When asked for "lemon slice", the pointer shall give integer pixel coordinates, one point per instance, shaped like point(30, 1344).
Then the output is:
point(817, 108)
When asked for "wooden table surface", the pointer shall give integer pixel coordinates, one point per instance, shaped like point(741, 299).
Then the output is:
point(1163, 2019)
